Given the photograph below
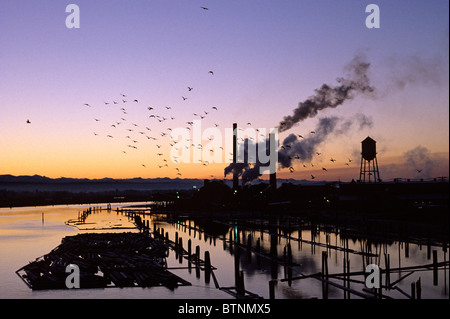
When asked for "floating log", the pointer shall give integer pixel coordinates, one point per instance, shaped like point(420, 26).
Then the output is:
point(121, 259)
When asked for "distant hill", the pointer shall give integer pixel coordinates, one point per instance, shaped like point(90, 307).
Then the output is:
point(42, 183)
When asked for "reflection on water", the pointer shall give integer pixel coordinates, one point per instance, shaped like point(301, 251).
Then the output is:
point(254, 254)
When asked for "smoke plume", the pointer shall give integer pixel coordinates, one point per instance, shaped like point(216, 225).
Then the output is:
point(356, 81)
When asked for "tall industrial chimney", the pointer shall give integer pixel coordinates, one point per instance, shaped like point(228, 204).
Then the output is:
point(235, 175)
point(273, 176)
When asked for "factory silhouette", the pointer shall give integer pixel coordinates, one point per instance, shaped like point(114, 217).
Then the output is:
point(422, 202)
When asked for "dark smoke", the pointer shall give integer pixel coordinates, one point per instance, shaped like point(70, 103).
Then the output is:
point(332, 96)
point(293, 148)
point(356, 81)
point(304, 149)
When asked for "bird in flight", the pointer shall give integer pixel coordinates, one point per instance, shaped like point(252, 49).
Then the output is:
point(184, 98)
point(418, 170)
point(291, 169)
point(214, 108)
point(300, 136)
point(189, 88)
point(204, 8)
point(313, 132)
point(332, 160)
point(323, 168)
point(87, 104)
point(211, 72)
point(318, 153)
point(168, 107)
point(312, 176)
point(28, 122)
point(135, 101)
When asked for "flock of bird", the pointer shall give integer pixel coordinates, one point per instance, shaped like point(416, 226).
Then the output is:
point(150, 127)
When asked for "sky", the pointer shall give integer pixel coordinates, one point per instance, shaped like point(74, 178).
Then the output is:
point(265, 58)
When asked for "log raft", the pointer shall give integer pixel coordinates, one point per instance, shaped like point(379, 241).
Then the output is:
point(104, 260)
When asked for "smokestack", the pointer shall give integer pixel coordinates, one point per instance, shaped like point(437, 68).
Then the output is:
point(273, 176)
point(235, 173)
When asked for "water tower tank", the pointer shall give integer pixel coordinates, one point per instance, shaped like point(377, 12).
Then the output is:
point(369, 151)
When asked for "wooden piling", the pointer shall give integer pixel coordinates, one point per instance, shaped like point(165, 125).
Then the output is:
point(435, 268)
point(413, 290)
point(207, 267)
point(189, 249)
point(272, 289)
point(325, 264)
point(289, 255)
point(197, 254)
point(387, 266)
point(240, 288)
point(419, 289)
point(180, 245)
point(207, 261)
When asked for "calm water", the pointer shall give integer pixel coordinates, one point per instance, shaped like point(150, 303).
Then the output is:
point(28, 233)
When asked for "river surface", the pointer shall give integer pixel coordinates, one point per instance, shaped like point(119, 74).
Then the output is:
point(31, 232)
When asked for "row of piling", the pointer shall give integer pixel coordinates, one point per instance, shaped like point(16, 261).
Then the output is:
point(253, 246)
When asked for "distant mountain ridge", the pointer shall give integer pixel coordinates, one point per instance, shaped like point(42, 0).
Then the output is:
point(43, 179)
point(43, 183)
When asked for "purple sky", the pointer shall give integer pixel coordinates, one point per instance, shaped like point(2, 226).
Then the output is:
point(267, 56)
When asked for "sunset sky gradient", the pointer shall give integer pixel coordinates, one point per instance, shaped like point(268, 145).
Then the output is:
point(267, 56)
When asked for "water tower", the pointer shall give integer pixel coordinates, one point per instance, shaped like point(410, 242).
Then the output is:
point(369, 163)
